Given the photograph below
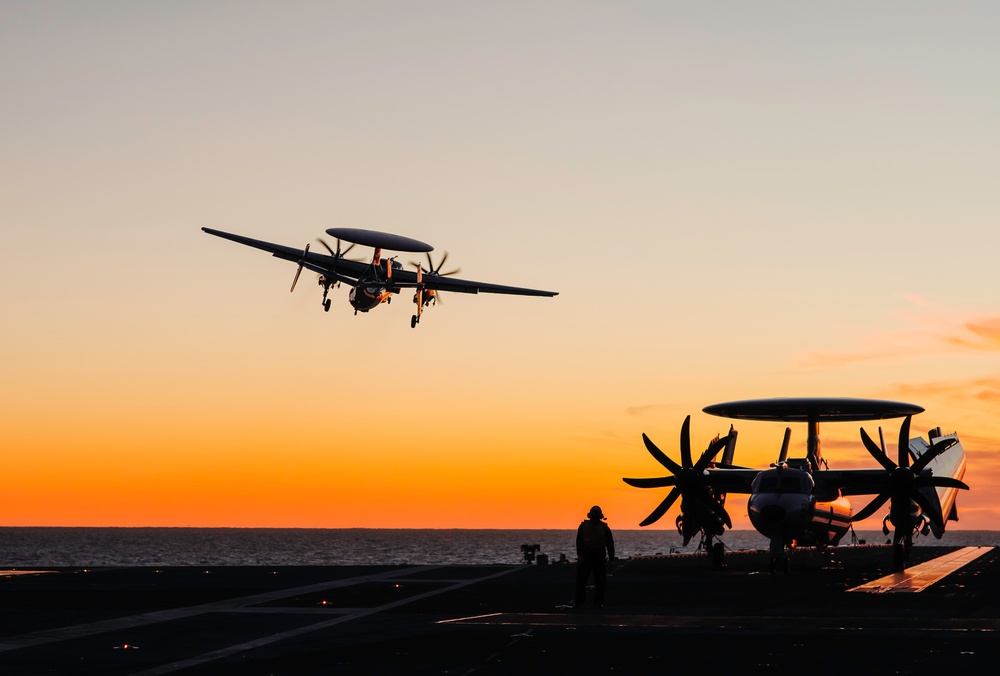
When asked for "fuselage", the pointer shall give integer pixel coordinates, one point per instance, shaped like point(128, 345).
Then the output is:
point(372, 288)
point(366, 296)
point(949, 463)
point(783, 506)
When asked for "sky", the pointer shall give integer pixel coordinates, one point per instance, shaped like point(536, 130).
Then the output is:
point(733, 201)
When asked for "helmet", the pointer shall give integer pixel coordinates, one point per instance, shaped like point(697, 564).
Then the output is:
point(595, 513)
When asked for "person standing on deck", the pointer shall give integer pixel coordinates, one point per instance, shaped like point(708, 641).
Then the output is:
point(594, 546)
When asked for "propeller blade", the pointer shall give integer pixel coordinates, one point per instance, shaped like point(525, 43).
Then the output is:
point(934, 451)
point(719, 511)
point(946, 481)
point(662, 508)
point(326, 246)
point(656, 482)
point(876, 452)
point(930, 509)
point(871, 507)
point(709, 454)
point(686, 443)
point(660, 456)
point(338, 253)
point(904, 443)
point(295, 280)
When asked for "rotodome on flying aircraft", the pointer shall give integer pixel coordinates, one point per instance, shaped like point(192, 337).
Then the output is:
point(374, 282)
point(800, 501)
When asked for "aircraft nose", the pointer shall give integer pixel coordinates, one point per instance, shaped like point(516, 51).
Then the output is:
point(772, 513)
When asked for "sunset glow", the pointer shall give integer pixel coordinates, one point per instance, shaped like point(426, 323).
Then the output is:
point(731, 203)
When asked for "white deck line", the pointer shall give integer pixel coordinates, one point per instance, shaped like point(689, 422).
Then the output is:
point(920, 577)
point(130, 621)
point(281, 636)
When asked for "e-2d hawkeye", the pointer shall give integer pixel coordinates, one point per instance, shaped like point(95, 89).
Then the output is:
point(378, 279)
point(800, 501)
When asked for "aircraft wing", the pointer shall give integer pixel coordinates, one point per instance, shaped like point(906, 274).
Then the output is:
point(850, 481)
point(407, 279)
point(339, 269)
point(731, 480)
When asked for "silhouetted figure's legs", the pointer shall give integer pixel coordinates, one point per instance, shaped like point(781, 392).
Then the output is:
point(587, 564)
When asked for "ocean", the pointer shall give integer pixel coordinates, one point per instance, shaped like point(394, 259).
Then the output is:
point(31, 547)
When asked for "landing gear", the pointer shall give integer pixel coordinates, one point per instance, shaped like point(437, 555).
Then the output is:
point(779, 557)
point(900, 550)
point(413, 321)
point(718, 552)
point(326, 290)
point(898, 557)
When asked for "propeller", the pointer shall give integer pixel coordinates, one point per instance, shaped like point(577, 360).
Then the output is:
point(338, 253)
point(700, 508)
point(903, 483)
point(424, 295)
point(295, 280)
point(436, 269)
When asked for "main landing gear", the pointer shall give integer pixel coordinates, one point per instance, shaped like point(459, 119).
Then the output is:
point(414, 320)
point(326, 290)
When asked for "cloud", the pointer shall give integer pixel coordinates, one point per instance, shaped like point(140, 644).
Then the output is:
point(650, 410)
point(988, 332)
point(933, 330)
point(969, 394)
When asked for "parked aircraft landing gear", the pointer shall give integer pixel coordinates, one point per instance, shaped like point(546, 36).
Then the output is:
point(718, 552)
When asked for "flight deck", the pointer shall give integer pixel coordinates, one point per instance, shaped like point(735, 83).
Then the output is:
point(663, 613)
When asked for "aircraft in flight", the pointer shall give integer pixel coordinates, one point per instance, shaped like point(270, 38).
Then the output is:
point(375, 281)
point(800, 501)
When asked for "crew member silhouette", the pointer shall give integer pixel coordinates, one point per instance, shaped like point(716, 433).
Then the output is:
point(594, 546)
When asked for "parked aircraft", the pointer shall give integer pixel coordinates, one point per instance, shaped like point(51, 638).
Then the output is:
point(375, 281)
point(800, 501)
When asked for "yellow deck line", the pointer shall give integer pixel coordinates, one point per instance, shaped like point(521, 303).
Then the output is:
point(920, 577)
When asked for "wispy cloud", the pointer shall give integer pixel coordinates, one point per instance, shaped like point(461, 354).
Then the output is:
point(650, 410)
point(967, 394)
point(933, 330)
point(986, 330)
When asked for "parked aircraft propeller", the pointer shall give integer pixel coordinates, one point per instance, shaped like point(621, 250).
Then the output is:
point(903, 484)
point(700, 508)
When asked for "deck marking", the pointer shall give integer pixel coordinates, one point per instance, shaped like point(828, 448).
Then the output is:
point(920, 577)
point(153, 617)
point(291, 633)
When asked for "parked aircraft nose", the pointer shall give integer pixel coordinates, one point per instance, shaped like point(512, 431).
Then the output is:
point(772, 513)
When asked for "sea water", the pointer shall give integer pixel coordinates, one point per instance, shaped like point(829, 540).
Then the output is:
point(72, 547)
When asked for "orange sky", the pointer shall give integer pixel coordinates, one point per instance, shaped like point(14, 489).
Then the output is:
point(731, 205)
